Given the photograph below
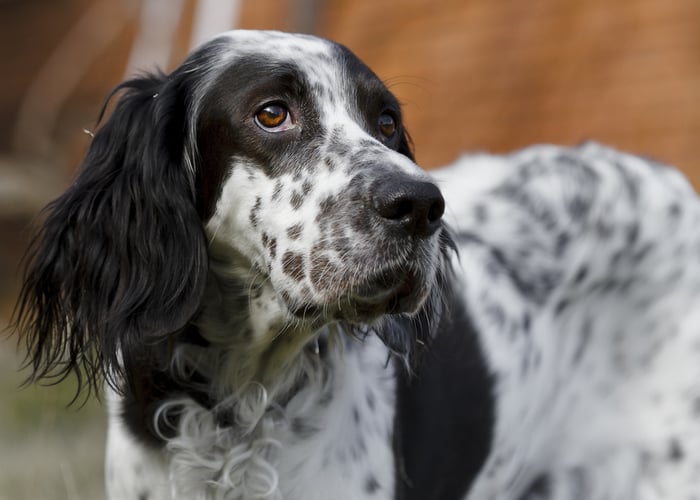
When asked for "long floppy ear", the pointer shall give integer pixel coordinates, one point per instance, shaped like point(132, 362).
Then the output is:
point(120, 262)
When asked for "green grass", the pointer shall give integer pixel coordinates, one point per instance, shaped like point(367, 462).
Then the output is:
point(47, 450)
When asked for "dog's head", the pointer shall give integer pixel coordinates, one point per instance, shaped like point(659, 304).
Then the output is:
point(279, 163)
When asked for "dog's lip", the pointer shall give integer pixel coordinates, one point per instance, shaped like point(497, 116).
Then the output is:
point(391, 300)
point(376, 299)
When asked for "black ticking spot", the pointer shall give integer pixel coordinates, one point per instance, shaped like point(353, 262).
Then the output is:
point(581, 275)
point(630, 181)
point(674, 210)
point(272, 247)
point(371, 402)
point(330, 164)
point(495, 313)
point(675, 451)
point(277, 191)
point(632, 234)
point(296, 200)
point(286, 297)
point(579, 207)
point(481, 213)
point(371, 485)
point(561, 306)
point(323, 272)
point(337, 144)
point(293, 265)
point(326, 398)
point(356, 417)
point(616, 258)
point(144, 495)
point(640, 254)
point(253, 217)
point(604, 230)
point(306, 187)
point(327, 206)
point(270, 244)
point(358, 450)
point(583, 340)
point(294, 232)
point(561, 244)
point(302, 429)
point(539, 489)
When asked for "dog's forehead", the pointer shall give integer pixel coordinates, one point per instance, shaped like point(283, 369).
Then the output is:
point(277, 43)
point(321, 61)
point(307, 52)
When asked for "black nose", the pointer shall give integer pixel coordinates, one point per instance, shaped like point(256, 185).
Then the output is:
point(415, 206)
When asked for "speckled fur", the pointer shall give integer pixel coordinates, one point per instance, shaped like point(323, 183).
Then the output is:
point(270, 331)
point(308, 396)
point(581, 275)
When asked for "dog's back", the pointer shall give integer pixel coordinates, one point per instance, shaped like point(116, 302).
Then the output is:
point(580, 275)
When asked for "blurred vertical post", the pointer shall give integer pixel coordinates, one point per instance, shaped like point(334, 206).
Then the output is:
point(39, 110)
point(157, 29)
point(212, 17)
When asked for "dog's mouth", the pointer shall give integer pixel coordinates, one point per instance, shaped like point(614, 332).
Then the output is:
point(397, 292)
point(376, 299)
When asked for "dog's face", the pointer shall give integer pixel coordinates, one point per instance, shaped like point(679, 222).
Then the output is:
point(276, 164)
point(304, 158)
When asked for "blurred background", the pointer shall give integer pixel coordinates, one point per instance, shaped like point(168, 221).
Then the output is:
point(471, 74)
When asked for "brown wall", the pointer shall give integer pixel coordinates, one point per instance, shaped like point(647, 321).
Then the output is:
point(473, 75)
point(501, 75)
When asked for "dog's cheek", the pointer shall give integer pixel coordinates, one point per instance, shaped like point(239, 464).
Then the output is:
point(237, 227)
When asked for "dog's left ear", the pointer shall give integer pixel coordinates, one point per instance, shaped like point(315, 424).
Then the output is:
point(121, 260)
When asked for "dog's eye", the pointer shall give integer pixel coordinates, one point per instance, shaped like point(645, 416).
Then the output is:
point(387, 125)
point(274, 118)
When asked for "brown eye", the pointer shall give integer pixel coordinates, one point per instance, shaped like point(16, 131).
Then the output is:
point(273, 118)
point(387, 125)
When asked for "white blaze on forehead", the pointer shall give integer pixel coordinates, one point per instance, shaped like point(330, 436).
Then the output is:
point(225, 48)
point(275, 45)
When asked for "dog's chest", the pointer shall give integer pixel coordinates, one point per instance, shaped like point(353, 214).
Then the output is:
point(339, 445)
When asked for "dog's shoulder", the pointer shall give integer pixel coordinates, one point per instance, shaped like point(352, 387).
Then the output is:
point(579, 271)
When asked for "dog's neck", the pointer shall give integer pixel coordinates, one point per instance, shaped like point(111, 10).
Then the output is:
point(254, 338)
point(299, 402)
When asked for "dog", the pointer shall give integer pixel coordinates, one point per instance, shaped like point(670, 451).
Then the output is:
point(283, 305)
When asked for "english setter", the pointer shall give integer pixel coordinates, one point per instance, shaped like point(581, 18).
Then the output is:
point(253, 261)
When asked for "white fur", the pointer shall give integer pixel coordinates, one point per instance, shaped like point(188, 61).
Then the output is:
point(595, 373)
point(609, 417)
point(263, 457)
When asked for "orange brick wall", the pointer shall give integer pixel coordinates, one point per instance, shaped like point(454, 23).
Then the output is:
point(500, 75)
point(473, 75)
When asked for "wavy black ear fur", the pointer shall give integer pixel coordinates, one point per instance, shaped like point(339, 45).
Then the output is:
point(120, 262)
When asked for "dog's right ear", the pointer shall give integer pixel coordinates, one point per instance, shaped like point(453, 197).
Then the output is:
point(121, 261)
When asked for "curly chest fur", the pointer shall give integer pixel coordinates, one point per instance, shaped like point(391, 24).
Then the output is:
point(331, 439)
